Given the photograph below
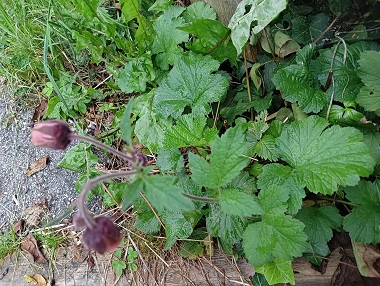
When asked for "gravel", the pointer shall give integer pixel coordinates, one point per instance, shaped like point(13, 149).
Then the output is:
point(18, 191)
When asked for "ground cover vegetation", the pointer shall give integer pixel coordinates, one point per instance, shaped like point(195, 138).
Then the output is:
point(262, 134)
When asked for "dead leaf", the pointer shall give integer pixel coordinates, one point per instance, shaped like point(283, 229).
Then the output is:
point(34, 213)
point(29, 244)
point(36, 279)
point(39, 111)
point(37, 166)
point(366, 257)
point(80, 253)
point(19, 227)
point(90, 262)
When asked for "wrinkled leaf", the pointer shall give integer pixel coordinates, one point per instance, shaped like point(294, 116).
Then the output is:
point(325, 158)
point(287, 239)
point(190, 84)
point(226, 160)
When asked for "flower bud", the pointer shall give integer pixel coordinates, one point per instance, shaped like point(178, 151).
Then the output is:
point(103, 237)
point(53, 134)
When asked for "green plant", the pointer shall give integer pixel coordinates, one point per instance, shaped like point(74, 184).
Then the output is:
point(9, 242)
point(119, 262)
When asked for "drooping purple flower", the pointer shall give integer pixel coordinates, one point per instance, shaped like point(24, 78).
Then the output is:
point(104, 236)
point(53, 134)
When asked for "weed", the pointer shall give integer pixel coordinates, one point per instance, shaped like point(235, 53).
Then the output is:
point(9, 242)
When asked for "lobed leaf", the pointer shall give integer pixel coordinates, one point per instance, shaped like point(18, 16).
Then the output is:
point(325, 158)
point(226, 160)
point(319, 222)
point(363, 223)
point(287, 239)
point(177, 226)
point(190, 84)
point(188, 131)
point(168, 37)
point(228, 228)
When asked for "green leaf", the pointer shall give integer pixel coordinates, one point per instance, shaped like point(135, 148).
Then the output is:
point(239, 203)
point(259, 15)
point(278, 271)
point(319, 222)
point(283, 178)
point(126, 123)
point(266, 148)
point(325, 158)
point(363, 223)
point(78, 158)
point(119, 266)
point(301, 30)
point(339, 7)
point(171, 160)
point(259, 280)
point(191, 249)
point(168, 37)
point(316, 251)
point(199, 10)
point(369, 73)
point(83, 179)
point(318, 25)
point(287, 239)
point(210, 37)
point(190, 187)
point(87, 40)
point(114, 195)
point(129, 9)
point(162, 193)
point(178, 225)
point(226, 160)
point(132, 193)
point(160, 5)
point(344, 64)
point(243, 182)
point(188, 131)
point(87, 8)
point(136, 74)
point(372, 139)
point(228, 228)
point(274, 199)
point(146, 220)
point(190, 84)
point(298, 85)
point(150, 131)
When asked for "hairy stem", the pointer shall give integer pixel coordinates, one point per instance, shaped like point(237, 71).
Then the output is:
point(86, 188)
point(126, 156)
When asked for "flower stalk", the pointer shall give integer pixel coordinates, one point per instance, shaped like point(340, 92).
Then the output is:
point(100, 234)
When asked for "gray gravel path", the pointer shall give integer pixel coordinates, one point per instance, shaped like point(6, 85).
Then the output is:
point(17, 191)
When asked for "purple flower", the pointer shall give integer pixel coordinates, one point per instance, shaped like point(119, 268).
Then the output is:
point(53, 134)
point(103, 236)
